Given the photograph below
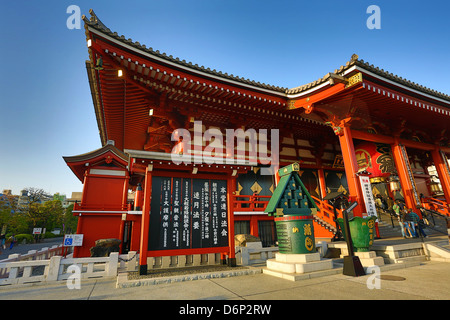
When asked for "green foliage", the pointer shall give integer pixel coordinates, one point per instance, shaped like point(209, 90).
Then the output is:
point(70, 221)
point(35, 212)
point(28, 237)
point(49, 235)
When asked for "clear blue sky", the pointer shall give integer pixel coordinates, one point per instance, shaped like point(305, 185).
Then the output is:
point(46, 109)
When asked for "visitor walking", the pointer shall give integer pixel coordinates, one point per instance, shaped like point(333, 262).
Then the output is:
point(396, 209)
point(401, 217)
point(13, 240)
point(417, 224)
point(410, 223)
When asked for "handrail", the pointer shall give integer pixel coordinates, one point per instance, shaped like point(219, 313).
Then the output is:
point(32, 255)
point(327, 210)
point(435, 200)
point(56, 269)
point(324, 217)
point(437, 205)
point(433, 215)
point(254, 202)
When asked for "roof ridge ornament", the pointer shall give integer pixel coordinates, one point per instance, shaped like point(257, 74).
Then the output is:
point(354, 58)
point(94, 20)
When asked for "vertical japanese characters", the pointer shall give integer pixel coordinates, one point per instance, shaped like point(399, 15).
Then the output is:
point(188, 213)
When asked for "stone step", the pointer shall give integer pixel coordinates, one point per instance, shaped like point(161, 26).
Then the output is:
point(302, 276)
point(437, 252)
point(406, 260)
point(295, 267)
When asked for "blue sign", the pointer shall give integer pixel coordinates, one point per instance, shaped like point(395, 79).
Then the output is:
point(68, 241)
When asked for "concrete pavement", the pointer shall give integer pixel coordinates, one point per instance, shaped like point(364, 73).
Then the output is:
point(430, 280)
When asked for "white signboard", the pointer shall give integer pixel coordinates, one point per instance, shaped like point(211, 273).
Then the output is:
point(368, 196)
point(37, 230)
point(73, 240)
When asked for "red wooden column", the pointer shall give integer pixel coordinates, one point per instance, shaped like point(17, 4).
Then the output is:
point(322, 183)
point(231, 186)
point(76, 250)
point(138, 198)
point(405, 181)
point(444, 175)
point(351, 168)
point(143, 251)
point(124, 207)
point(254, 231)
point(320, 172)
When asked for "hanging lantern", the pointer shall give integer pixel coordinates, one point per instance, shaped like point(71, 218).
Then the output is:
point(375, 158)
point(394, 183)
point(435, 187)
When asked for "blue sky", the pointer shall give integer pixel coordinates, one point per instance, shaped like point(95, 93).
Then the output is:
point(46, 110)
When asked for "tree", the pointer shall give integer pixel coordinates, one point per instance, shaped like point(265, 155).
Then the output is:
point(70, 221)
point(31, 207)
point(35, 209)
point(10, 217)
point(51, 214)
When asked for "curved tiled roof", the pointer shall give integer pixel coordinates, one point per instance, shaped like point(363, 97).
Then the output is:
point(355, 61)
point(96, 23)
point(385, 74)
point(96, 153)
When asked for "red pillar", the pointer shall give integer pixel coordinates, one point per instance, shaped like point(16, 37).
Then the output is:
point(444, 175)
point(76, 250)
point(138, 198)
point(143, 251)
point(405, 182)
point(322, 183)
point(254, 231)
point(231, 187)
point(351, 168)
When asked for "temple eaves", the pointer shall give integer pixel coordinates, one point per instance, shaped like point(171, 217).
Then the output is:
point(353, 64)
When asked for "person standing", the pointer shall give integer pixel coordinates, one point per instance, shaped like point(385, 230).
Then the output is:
point(13, 240)
point(416, 222)
point(410, 223)
point(400, 217)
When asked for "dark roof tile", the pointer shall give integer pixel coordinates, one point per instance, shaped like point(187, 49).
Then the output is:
point(95, 22)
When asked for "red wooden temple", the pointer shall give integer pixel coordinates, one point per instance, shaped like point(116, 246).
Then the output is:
point(358, 121)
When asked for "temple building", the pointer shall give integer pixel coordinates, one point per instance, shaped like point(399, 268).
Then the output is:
point(200, 148)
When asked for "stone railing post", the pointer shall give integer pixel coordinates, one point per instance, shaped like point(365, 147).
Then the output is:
point(113, 264)
point(53, 268)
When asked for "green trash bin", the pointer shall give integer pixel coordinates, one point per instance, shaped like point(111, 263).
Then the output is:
point(362, 232)
point(295, 233)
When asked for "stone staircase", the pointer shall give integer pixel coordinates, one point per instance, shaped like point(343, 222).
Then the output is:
point(396, 250)
point(407, 252)
point(391, 229)
point(437, 251)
